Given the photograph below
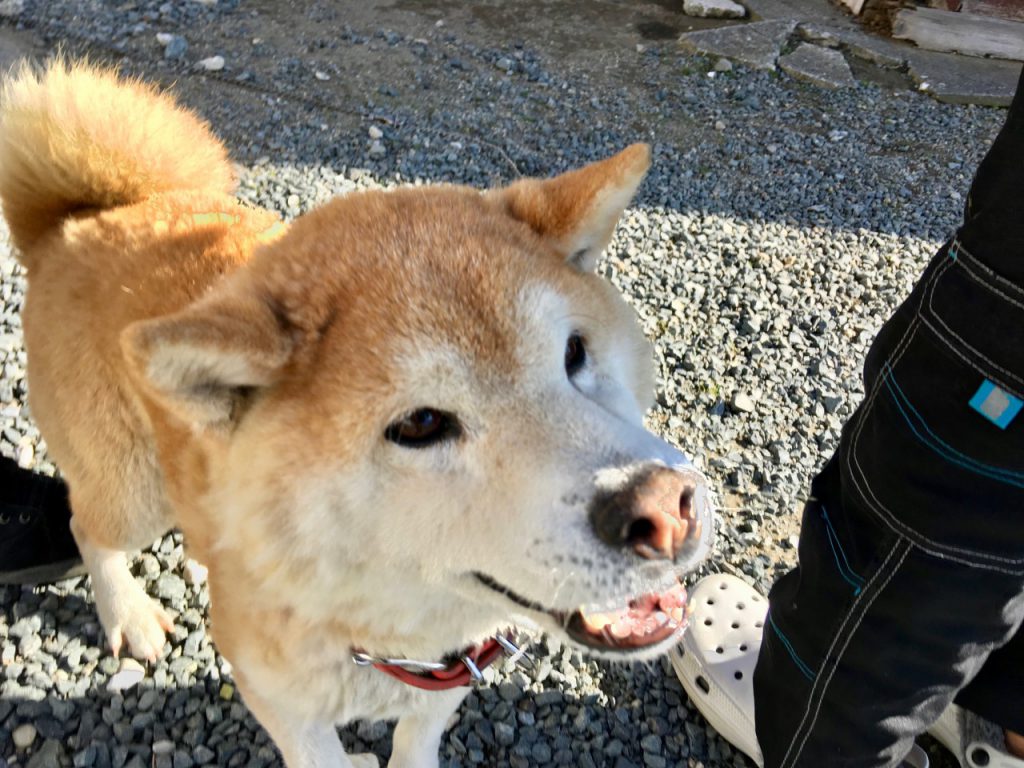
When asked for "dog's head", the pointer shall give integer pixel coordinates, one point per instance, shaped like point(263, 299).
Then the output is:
point(425, 406)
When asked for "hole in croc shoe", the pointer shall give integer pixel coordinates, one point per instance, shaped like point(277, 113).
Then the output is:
point(711, 601)
point(758, 624)
point(980, 756)
point(743, 648)
point(723, 585)
point(708, 622)
point(738, 675)
point(740, 606)
point(719, 649)
point(735, 625)
point(703, 684)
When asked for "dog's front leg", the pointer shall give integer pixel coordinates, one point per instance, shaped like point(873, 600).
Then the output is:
point(303, 743)
point(417, 736)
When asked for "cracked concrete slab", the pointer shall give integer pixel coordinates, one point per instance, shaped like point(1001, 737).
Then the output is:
point(950, 78)
point(876, 50)
point(757, 44)
point(825, 67)
point(963, 79)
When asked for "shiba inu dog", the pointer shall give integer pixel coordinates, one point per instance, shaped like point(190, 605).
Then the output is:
point(406, 421)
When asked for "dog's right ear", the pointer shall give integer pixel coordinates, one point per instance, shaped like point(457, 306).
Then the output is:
point(205, 360)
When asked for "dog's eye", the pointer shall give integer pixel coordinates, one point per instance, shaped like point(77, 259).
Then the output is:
point(575, 354)
point(423, 428)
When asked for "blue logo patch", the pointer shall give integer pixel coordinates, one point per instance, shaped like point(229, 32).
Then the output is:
point(995, 404)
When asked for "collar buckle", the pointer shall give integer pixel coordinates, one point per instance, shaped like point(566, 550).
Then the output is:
point(435, 675)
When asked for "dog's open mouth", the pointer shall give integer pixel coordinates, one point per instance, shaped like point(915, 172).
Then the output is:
point(645, 621)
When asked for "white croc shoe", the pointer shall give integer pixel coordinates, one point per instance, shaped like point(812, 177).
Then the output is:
point(716, 658)
point(972, 740)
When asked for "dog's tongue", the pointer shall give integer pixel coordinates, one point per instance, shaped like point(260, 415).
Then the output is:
point(646, 620)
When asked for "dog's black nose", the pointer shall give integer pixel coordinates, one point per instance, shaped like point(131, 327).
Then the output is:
point(653, 514)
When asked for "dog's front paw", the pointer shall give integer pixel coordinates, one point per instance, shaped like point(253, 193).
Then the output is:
point(365, 760)
point(138, 620)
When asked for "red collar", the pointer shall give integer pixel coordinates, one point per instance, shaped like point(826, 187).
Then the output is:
point(438, 676)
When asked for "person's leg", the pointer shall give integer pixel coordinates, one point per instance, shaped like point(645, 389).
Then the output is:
point(36, 544)
point(867, 642)
point(993, 232)
point(912, 552)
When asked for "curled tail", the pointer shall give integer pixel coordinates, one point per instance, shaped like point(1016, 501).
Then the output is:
point(74, 137)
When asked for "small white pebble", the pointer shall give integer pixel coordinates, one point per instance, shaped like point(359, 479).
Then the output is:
point(164, 37)
point(719, 125)
point(26, 455)
point(24, 736)
point(195, 573)
point(375, 132)
point(321, 75)
point(127, 676)
point(212, 64)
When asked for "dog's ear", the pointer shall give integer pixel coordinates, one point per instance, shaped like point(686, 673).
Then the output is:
point(205, 361)
point(578, 211)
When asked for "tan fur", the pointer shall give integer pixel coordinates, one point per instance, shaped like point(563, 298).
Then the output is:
point(191, 366)
point(75, 137)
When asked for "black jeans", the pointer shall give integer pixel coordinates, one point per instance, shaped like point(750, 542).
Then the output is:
point(910, 589)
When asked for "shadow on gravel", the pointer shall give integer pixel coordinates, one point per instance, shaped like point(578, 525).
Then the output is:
point(482, 95)
point(57, 707)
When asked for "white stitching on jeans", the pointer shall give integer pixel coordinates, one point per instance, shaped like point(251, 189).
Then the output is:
point(824, 680)
point(849, 637)
point(984, 284)
point(864, 486)
point(951, 332)
point(860, 478)
point(1011, 388)
point(1012, 286)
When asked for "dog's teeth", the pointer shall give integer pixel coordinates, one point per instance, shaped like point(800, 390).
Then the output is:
point(595, 622)
point(673, 598)
point(621, 629)
point(676, 614)
point(660, 618)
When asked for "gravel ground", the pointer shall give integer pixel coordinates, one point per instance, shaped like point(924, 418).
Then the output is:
point(779, 227)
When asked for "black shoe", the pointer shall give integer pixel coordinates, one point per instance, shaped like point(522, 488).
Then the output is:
point(36, 545)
